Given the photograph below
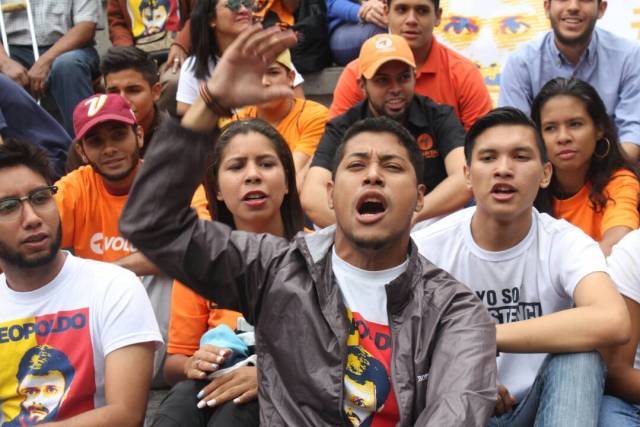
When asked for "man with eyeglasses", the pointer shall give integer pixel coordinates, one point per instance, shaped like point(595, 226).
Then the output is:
point(92, 314)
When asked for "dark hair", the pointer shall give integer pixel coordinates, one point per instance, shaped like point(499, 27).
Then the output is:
point(436, 4)
point(383, 125)
point(503, 116)
point(290, 210)
point(120, 58)
point(15, 153)
point(602, 167)
point(42, 359)
point(203, 40)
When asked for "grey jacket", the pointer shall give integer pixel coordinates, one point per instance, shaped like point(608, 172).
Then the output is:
point(443, 367)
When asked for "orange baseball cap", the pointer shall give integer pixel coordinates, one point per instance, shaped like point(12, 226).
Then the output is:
point(381, 49)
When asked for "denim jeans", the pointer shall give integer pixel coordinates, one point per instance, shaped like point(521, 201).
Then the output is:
point(567, 392)
point(70, 78)
point(615, 412)
point(346, 39)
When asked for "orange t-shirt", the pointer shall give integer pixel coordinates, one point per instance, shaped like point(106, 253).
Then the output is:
point(191, 314)
point(276, 6)
point(89, 216)
point(302, 128)
point(621, 209)
point(446, 77)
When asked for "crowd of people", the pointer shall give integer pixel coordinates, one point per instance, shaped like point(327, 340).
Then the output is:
point(175, 214)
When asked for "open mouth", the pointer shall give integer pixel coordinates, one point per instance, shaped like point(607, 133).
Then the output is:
point(36, 238)
point(503, 192)
point(371, 208)
point(255, 198)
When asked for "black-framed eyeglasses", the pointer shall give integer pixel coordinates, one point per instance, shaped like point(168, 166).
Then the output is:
point(234, 5)
point(40, 199)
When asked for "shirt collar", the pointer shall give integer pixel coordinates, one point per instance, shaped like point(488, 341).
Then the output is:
point(588, 56)
point(432, 64)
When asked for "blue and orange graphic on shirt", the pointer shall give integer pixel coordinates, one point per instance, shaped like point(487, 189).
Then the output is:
point(47, 368)
point(369, 397)
point(150, 17)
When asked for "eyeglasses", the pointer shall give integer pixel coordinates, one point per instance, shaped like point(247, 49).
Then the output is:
point(41, 200)
point(234, 5)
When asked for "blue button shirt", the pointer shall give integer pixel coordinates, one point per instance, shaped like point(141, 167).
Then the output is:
point(611, 64)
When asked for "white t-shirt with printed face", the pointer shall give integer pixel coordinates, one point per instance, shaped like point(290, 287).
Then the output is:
point(57, 337)
point(188, 84)
point(369, 397)
point(536, 277)
point(624, 267)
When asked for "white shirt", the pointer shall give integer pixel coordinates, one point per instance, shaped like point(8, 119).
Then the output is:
point(87, 311)
point(188, 84)
point(536, 277)
point(624, 267)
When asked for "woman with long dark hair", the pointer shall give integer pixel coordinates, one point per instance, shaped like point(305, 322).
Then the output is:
point(594, 186)
point(251, 186)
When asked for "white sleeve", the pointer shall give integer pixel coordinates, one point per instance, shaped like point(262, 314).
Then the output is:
point(297, 80)
point(126, 316)
point(187, 91)
point(573, 256)
point(624, 265)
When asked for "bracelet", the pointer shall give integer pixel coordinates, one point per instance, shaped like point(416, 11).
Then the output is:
point(212, 103)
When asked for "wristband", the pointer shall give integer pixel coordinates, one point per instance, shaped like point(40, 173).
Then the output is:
point(212, 103)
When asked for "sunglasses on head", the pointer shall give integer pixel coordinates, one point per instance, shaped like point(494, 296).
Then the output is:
point(234, 5)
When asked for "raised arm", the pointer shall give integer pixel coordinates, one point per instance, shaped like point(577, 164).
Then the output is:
point(157, 218)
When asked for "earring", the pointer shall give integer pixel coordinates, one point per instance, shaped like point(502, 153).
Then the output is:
point(606, 152)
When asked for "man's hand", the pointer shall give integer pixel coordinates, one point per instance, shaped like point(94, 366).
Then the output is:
point(38, 75)
point(505, 401)
point(15, 71)
point(175, 59)
point(237, 78)
point(206, 360)
point(375, 14)
point(241, 385)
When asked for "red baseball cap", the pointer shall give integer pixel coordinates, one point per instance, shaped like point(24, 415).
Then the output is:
point(99, 109)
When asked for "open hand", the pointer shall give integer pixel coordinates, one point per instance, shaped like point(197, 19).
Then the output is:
point(241, 385)
point(237, 78)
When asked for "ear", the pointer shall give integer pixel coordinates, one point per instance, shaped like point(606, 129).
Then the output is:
point(219, 196)
point(438, 17)
point(602, 8)
point(291, 75)
point(422, 189)
point(546, 8)
point(330, 193)
point(80, 150)
point(140, 136)
point(600, 134)
point(156, 90)
point(546, 175)
point(467, 175)
point(385, 9)
point(361, 84)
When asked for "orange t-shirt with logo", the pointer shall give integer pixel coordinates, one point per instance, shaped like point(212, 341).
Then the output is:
point(446, 77)
point(89, 216)
point(191, 314)
point(302, 128)
point(621, 209)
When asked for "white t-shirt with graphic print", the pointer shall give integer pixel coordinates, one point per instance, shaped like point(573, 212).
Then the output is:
point(63, 332)
point(369, 398)
point(538, 276)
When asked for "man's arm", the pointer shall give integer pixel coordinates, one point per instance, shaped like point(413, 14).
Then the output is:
point(80, 35)
point(623, 380)
point(451, 194)
point(600, 319)
point(462, 378)
point(515, 87)
point(139, 264)
point(626, 111)
point(127, 380)
point(119, 30)
point(291, 5)
point(347, 92)
point(474, 100)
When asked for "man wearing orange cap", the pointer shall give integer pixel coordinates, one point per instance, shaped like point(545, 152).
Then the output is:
point(387, 77)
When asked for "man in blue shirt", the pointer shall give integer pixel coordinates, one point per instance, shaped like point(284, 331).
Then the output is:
point(576, 48)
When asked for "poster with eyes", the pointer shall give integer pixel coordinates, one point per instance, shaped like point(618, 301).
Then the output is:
point(150, 17)
point(487, 31)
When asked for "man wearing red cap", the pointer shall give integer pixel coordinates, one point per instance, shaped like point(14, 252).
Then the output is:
point(388, 79)
point(91, 198)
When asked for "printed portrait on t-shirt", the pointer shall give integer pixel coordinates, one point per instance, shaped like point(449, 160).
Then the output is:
point(47, 368)
point(150, 17)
